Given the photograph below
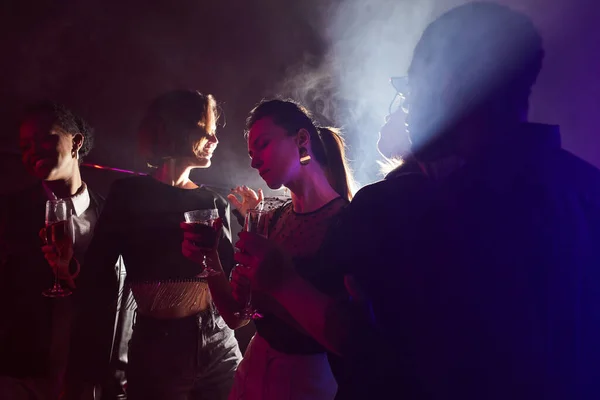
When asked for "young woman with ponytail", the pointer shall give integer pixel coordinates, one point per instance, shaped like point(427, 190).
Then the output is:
point(286, 147)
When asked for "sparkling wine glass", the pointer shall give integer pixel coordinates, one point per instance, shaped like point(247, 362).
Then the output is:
point(204, 221)
point(256, 222)
point(59, 233)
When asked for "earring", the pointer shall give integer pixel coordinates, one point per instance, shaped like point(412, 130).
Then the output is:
point(304, 156)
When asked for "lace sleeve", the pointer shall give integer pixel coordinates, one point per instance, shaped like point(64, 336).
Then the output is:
point(275, 207)
point(270, 204)
point(273, 203)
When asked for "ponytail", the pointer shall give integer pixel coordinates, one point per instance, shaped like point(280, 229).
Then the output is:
point(326, 143)
point(338, 170)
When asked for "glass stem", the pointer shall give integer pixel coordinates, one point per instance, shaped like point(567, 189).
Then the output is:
point(57, 281)
point(249, 301)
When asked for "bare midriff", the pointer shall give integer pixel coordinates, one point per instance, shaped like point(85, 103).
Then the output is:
point(171, 300)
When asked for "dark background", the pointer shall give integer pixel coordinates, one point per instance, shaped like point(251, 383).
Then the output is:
point(108, 59)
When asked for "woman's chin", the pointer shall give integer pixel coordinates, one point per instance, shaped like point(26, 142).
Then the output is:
point(274, 185)
point(203, 162)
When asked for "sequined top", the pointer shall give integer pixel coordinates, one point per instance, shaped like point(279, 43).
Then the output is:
point(301, 236)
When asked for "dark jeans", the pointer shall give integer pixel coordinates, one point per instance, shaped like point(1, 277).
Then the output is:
point(191, 358)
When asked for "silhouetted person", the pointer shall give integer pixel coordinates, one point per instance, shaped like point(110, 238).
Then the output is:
point(393, 143)
point(482, 275)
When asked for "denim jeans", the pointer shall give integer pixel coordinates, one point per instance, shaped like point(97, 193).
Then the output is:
point(192, 358)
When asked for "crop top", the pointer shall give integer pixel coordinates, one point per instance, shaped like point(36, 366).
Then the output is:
point(141, 221)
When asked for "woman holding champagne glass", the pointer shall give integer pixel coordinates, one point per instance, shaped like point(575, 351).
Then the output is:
point(287, 149)
point(180, 348)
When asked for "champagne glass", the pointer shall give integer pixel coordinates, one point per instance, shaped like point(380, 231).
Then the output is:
point(204, 221)
point(59, 233)
point(256, 222)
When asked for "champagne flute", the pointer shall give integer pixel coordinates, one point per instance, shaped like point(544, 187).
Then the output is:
point(256, 222)
point(204, 221)
point(59, 233)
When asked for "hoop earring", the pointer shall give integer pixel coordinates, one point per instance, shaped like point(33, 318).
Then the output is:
point(304, 156)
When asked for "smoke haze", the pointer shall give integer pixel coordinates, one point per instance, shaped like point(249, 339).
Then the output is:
point(108, 59)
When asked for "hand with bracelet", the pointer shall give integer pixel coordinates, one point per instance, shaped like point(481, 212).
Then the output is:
point(62, 261)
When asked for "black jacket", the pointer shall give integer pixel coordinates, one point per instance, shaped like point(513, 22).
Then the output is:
point(483, 284)
point(35, 330)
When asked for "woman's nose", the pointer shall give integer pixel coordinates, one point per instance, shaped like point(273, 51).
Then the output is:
point(255, 163)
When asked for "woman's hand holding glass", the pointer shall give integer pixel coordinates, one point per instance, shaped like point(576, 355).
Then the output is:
point(240, 288)
point(265, 264)
point(200, 244)
point(257, 222)
point(250, 199)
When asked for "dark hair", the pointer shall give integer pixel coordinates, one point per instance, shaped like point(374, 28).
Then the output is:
point(68, 120)
point(180, 113)
point(492, 46)
point(326, 143)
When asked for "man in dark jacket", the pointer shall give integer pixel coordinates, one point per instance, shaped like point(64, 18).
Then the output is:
point(34, 329)
point(481, 274)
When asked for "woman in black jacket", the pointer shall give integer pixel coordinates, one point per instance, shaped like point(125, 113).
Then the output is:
point(181, 348)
